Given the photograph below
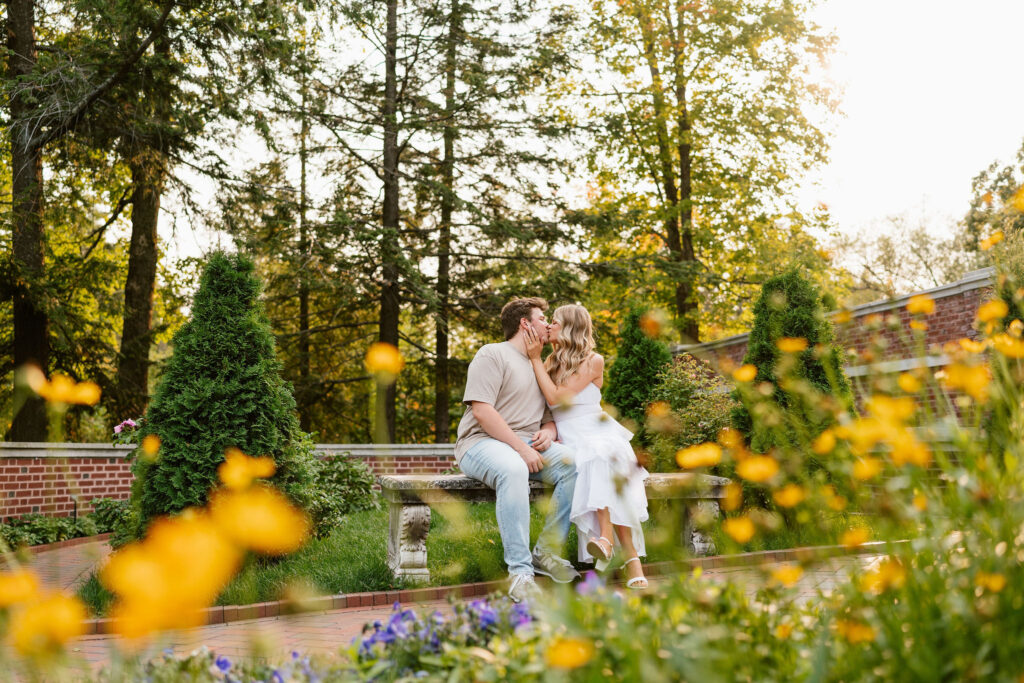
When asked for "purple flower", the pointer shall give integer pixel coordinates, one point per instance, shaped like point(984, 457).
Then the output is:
point(591, 583)
point(520, 615)
point(223, 664)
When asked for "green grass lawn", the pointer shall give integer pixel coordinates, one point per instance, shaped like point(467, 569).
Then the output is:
point(463, 546)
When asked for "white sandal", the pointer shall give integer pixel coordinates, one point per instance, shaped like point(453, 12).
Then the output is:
point(637, 583)
point(599, 551)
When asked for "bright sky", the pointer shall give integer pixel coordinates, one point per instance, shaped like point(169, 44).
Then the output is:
point(933, 95)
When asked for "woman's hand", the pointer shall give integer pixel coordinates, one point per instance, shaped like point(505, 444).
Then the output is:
point(533, 344)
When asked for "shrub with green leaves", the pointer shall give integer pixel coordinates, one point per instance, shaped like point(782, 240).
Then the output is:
point(222, 387)
point(791, 307)
point(634, 373)
point(343, 485)
point(699, 407)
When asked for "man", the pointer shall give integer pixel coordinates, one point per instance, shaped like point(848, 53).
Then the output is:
point(506, 438)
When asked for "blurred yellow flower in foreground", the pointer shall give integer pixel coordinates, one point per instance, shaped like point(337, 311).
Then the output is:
point(260, 519)
point(890, 573)
point(918, 325)
point(789, 495)
point(791, 344)
point(703, 455)
point(783, 631)
point(733, 496)
point(42, 628)
point(657, 409)
point(1017, 200)
point(854, 537)
point(920, 502)
point(990, 582)
point(745, 373)
point(824, 442)
point(150, 446)
point(384, 361)
point(758, 468)
point(740, 529)
point(787, 574)
point(1010, 347)
point(908, 383)
point(866, 468)
point(855, 631)
point(569, 653)
point(832, 499)
point(17, 586)
point(973, 380)
point(61, 388)
point(921, 304)
point(238, 469)
point(730, 438)
point(992, 310)
point(842, 317)
point(971, 346)
point(992, 240)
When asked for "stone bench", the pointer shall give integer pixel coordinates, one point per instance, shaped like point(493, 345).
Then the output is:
point(409, 498)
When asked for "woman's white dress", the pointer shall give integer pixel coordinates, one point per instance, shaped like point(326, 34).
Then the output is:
point(608, 474)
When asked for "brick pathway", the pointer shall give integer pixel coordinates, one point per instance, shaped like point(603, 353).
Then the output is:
point(321, 632)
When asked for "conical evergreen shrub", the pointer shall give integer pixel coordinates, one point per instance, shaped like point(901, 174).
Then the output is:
point(790, 306)
point(634, 374)
point(222, 387)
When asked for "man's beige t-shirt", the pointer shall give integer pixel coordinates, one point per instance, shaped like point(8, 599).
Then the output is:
point(502, 375)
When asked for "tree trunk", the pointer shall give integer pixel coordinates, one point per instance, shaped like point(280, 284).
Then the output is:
point(442, 381)
point(31, 324)
point(304, 345)
point(389, 303)
point(686, 302)
point(148, 171)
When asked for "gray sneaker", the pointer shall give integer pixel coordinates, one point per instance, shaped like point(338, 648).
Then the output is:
point(523, 587)
point(559, 570)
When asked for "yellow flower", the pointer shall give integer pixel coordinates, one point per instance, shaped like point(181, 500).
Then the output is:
point(832, 499)
point(261, 519)
point(17, 586)
point(890, 409)
point(855, 631)
point(150, 446)
point(1015, 328)
point(992, 310)
point(842, 317)
point(854, 537)
point(907, 448)
point(824, 443)
point(990, 582)
point(787, 574)
point(659, 409)
point(918, 325)
point(61, 388)
point(973, 380)
point(733, 496)
point(740, 529)
point(730, 438)
point(889, 574)
point(792, 344)
point(758, 468)
point(866, 468)
point(384, 361)
point(971, 346)
point(238, 470)
point(783, 631)
point(908, 383)
point(704, 455)
point(1017, 200)
point(1008, 346)
point(789, 495)
point(992, 240)
point(920, 502)
point(745, 373)
point(42, 628)
point(569, 653)
point(652, 322)
point(921, 304)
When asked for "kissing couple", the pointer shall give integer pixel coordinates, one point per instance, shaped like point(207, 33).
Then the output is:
point(528, 418)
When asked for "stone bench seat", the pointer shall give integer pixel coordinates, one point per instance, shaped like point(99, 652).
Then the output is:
point(409, 498)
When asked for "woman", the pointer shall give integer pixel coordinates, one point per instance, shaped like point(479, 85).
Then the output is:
point(610, 482)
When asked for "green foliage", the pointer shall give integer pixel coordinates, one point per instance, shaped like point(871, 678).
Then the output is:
point(790, 306)
point(634, 374)
point(343, 485)
point(38, 529)
point(109, 513)
point(991, 207)
point(699, 407)
point(221, 388)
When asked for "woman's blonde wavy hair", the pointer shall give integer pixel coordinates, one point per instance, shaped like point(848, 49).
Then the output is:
point(575, 343)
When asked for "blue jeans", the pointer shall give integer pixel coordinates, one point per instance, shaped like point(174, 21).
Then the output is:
point(498, 465)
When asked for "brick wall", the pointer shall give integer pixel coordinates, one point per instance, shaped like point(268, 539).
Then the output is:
point(54, 478)
point(955, 307)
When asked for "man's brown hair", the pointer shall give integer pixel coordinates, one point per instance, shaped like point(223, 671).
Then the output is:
point(518, 309)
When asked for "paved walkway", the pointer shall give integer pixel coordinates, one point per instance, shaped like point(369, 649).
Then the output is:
point(321, 632)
